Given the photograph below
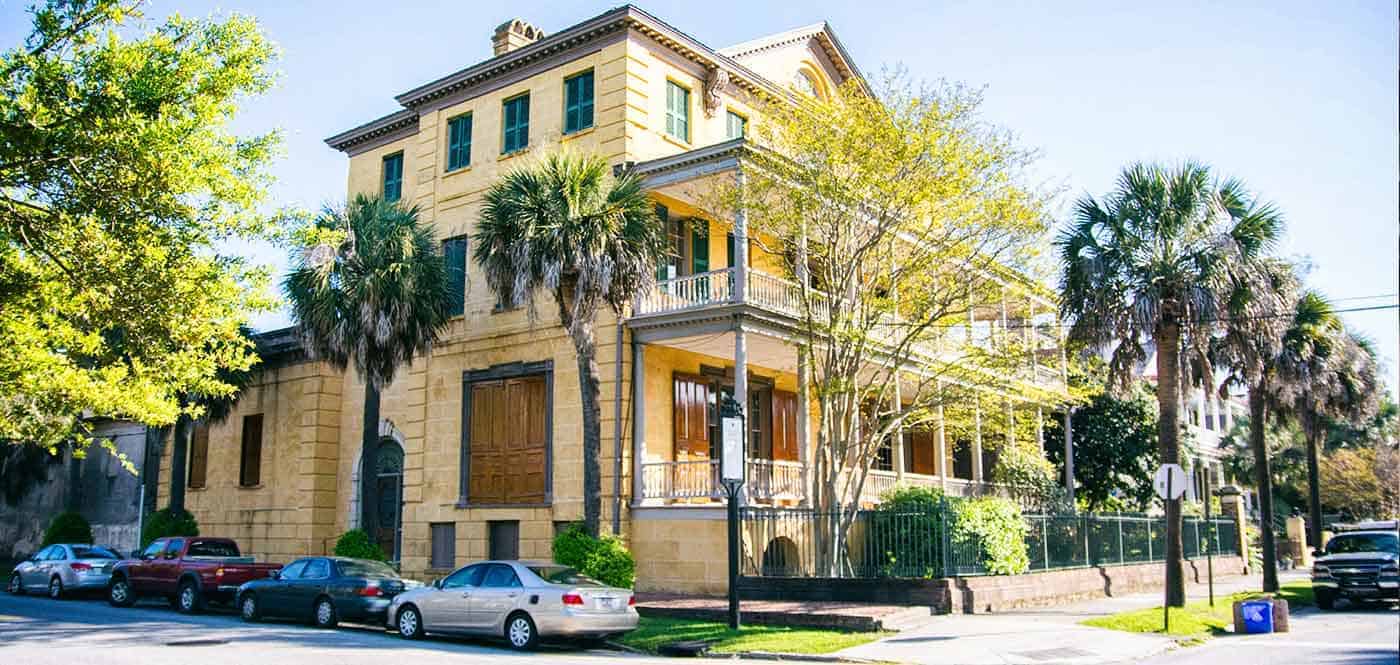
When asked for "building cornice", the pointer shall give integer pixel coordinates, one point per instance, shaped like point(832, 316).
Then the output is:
point(626, 17)
point(374, 129)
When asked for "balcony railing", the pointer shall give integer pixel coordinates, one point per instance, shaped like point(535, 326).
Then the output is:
point(699, 479)
point(878, 481)
point(780, 296)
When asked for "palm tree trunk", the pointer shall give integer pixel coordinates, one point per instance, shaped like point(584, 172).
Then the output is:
point(1263, 479)
point(1314, 433)
point(369, 507)
point(178, 464)
point(1168, 338)
point(588, 383)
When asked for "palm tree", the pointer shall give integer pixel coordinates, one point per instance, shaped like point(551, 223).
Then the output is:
point(1335, 375)
point(1252, 349)
point(374, 301)
point(216, 409)
point(568, 226)
point(1155, 262)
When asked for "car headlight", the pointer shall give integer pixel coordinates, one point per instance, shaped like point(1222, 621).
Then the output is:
point(1392, 567)
point(1320, 570)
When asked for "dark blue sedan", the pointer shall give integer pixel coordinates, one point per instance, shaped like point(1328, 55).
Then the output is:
point(325, 590)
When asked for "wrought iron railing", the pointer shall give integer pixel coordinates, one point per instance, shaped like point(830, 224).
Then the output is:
point(923, 542)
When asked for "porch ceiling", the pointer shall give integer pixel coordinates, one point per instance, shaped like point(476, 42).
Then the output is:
point(764, 351)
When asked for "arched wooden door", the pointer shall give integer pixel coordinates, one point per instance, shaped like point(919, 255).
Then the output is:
point(388, 478)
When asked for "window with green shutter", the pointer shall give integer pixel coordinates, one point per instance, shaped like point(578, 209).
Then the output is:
point(393, 177)
point(735, 125)
point(678, 111)
point(578, 102)
point(454, 258)
point(459, 142)
point(516, 123)
point(699, 246)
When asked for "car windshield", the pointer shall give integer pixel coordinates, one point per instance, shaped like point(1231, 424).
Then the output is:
point(92, 552)
point(562, 575)
point(214, 548)
point(365, 569)
point(1364, 542)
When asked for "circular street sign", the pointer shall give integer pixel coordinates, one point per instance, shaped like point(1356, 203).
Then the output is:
point(1173, 475)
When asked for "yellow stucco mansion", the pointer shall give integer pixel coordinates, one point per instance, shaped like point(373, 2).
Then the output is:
point(481, 445)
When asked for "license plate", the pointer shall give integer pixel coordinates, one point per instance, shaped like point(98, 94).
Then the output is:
point(607, 603)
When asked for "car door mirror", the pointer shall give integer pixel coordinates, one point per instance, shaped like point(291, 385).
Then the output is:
point(437, 583)
point(274, 574)
point(1319, 553)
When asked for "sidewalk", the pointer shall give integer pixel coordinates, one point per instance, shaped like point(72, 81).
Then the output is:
point(1040, 635)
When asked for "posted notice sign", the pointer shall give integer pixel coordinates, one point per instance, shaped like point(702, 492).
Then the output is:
point(731, 464)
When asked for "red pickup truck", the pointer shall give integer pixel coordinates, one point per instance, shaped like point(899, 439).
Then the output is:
point(189, 571)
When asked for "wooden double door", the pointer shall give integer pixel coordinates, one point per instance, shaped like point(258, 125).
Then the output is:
point(771, 419)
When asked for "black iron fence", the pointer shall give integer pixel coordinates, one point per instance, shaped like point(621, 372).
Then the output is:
point(926, 543)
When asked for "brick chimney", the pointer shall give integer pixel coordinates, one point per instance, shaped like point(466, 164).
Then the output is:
point(512, 35)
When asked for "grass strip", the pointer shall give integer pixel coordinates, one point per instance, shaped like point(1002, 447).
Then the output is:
point(653, 632)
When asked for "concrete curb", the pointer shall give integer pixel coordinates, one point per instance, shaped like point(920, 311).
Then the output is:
point(791, 657)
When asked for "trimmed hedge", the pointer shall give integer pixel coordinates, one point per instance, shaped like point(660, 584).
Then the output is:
point(356, 544)
point(604, 559)
point(68, 527)
point(165, 523)
point(905, 530)
point(995, 524)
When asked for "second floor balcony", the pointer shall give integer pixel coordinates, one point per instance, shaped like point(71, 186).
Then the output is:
point(782, 299)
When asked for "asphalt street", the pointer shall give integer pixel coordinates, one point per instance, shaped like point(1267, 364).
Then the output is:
point(38, 631)
point(1347, 636)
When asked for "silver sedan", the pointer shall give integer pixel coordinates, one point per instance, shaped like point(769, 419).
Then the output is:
point(63, 569)
point(519, 601)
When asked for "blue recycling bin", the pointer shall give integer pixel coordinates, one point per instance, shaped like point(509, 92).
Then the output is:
point(1258, 616)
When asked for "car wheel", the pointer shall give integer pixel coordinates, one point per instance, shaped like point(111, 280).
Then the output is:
point(1324, 599)
point(248, 608)
point(188, 601)
point(16, 586)
point(325, 613)
point(56, 588)
point(410, 623)
point(119, 594)
point(520, 632)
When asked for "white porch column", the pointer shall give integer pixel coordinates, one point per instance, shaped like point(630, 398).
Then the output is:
point(977, 439)
point(804, 410)
point(1040, 428)
point(1069, 453)
point(940, 458)
point(639, 419)
point(897, 446)
point(741, 278)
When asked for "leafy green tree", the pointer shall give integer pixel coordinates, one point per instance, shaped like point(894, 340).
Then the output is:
point(216, 409)
point(370, 293)
point(900, 216)
point(1159, 260)
point(569, 227)
point(1115, 449)
point(1354, 483)
point(119, 176)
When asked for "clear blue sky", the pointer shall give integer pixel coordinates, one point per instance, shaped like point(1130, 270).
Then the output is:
point(1297, 98)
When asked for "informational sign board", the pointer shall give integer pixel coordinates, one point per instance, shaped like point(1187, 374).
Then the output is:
point(731, 464)
point(1170, 481)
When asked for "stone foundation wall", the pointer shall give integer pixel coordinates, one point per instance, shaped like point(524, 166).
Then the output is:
point(993, 593)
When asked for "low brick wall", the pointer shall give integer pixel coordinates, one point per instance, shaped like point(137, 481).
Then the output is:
point(986, 594)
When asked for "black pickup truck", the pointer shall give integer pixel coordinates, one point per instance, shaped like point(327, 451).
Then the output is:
point(1359, 566)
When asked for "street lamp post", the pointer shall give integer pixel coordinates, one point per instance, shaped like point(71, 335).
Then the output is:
point(732, 465)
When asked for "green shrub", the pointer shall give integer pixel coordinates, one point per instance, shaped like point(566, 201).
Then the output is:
point(1030, 478)
point(68, 527)
point(604, 559)
point(997, 528)
point(165, 523)
point(903, 538)
point(356, 544)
